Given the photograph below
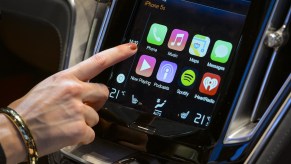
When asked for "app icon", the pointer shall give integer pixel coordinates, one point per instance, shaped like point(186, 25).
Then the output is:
point(221, 51)
point(167, 71)
point(188, 77)
point(157, 34)
point(199, 45)
point(120, 78)
point(209, 84)
point(145, 66)
point(178, 39)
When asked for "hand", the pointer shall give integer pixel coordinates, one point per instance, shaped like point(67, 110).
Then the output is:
point(61, 110)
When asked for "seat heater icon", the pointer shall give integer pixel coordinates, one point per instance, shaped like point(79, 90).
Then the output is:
point(134, 100)
point(184, 115)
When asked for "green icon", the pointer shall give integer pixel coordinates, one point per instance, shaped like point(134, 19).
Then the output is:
point(157, 34)
point(221, 51)
point(188, 77)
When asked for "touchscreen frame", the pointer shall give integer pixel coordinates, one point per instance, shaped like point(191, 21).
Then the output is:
point(233, 77)
point(141, 82)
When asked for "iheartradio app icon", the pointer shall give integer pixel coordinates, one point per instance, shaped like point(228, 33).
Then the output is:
point(209, 84)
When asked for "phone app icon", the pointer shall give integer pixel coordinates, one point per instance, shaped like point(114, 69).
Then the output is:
point(178, 40)
point(167, 71)
point(209, 84)
point(145, 66)
point(157, 34)
point(221, 51)
point(199, 45)
point(188, 78)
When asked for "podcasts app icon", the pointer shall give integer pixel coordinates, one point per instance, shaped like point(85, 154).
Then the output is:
point(167, 71)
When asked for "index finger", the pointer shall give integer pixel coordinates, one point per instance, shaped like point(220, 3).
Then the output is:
point(91, 67)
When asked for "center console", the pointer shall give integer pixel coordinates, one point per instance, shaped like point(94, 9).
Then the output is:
point(173, 100)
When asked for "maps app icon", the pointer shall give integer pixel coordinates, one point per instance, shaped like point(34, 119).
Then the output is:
point(199, 45)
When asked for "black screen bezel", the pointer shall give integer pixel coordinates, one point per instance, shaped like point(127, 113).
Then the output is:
point(116, 34)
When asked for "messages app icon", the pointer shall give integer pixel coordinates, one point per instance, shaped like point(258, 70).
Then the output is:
point(157, 34)
point(221, 51)
point(199, 45)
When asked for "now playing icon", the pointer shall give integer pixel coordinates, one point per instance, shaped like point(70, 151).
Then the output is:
point(145, 66)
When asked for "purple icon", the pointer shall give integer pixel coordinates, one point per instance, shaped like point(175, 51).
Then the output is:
point(178, 40)
point(167, 71)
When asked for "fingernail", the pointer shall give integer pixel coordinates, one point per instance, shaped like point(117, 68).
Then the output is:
point(132, 46)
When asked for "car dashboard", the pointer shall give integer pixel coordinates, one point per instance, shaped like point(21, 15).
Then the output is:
point(210, 82)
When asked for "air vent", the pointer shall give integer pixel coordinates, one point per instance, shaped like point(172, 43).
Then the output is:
point(244, 132)
point(253, 105)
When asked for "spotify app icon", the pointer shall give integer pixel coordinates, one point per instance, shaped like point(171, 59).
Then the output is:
point(188, 78)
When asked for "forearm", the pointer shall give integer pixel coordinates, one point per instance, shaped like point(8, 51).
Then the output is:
point(62, 109)
point(11, 141)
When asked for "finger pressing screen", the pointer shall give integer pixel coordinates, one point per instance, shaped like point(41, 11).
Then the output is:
point(91, 67)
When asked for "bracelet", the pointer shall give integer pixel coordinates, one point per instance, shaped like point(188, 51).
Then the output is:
point(15, 118)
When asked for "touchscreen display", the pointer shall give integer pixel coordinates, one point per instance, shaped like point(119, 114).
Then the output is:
point(185, 51)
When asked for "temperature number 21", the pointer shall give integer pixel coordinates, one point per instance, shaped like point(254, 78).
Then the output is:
point(114, 93)
point(202, 119)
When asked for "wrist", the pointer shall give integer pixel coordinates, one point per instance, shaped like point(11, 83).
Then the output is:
point(11, 141)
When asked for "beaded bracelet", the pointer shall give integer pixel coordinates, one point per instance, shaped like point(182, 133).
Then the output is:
point(15, 118)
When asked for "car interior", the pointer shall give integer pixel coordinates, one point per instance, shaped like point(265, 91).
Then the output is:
point(210, 82)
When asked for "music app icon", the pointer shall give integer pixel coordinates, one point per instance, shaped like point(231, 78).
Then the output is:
point(178, 39)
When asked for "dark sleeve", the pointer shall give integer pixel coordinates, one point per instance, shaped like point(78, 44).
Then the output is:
point(2, 155)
